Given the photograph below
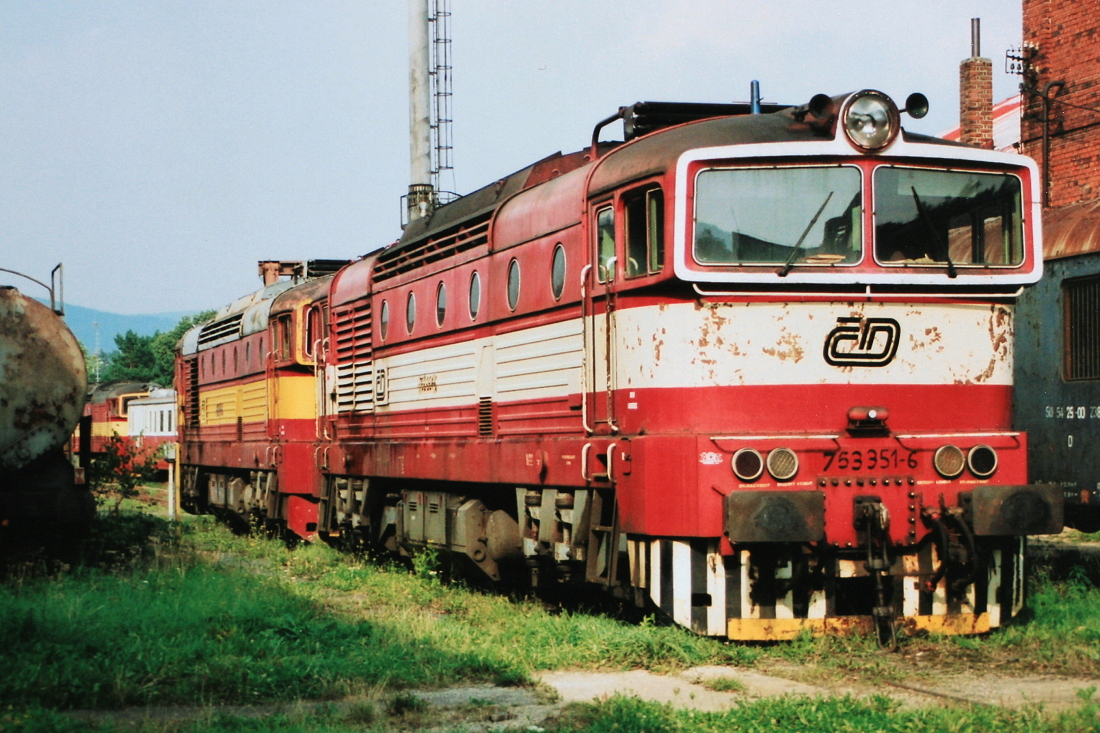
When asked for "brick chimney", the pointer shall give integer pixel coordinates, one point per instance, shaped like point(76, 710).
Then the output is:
point(976, 94)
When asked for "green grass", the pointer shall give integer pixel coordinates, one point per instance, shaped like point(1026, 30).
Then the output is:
point(163, 614)
point(206, 617)
point(1062, 633)
point(722, 684)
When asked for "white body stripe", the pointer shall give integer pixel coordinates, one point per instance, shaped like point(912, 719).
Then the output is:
point(684, 345)
point(535, 363)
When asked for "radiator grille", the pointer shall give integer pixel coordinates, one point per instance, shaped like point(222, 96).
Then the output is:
point(212, 332)
point(395, 261)
point(485, 416)
point(354, 358)
point(1082, 324)
point(191, 392)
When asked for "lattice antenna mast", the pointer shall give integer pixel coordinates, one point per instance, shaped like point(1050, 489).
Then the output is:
point(442, 142)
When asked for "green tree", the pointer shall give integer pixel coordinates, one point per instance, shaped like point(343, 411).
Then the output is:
point(133, 359)
point(164, 345)
point(148, 358)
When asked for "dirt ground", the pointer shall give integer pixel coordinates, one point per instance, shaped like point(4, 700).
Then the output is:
point(487, 708)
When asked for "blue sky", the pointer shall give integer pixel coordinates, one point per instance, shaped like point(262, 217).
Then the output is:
point(160, 149)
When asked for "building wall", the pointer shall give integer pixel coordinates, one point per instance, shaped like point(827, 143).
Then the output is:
point(1065, 38)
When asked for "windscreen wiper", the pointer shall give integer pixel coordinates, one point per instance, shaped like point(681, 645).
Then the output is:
point(782, 271)
point(935, 236)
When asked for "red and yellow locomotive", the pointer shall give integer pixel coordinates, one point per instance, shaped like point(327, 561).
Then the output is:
point(754, 369)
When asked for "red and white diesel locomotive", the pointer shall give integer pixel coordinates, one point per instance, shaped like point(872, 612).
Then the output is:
point(753, 369)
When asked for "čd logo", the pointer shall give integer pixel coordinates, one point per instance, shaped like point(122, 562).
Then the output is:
point(862, 342)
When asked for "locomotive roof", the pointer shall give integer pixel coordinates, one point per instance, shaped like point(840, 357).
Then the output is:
point(242, 317)
point(651, 153)
point(485, 200)
point(1071, 230)
point(305, 292)
point(659, 151)
point(100, 393)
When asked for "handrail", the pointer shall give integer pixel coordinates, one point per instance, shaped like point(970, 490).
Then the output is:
point(57, 283)
point(584, 351)
point(609, 476)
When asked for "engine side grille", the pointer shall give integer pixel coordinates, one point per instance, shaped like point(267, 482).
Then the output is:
point(354, 358)
point(485, 416)
point(190, 378)
point(395, 261)
point(1082, 324)
point(230, 326)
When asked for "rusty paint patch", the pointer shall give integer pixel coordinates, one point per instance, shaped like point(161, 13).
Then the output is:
point(789, 347)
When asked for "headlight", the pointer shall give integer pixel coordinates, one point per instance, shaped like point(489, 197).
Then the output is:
point(949, 461)
point(870, 120)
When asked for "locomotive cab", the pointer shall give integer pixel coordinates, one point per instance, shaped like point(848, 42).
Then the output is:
point(843, 365)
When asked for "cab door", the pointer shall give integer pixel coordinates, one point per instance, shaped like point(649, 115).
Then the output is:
point(599, 327)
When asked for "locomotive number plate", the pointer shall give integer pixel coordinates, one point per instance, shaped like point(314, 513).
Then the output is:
point(871, 459)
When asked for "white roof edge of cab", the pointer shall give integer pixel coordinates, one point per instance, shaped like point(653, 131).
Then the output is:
point(899, 149)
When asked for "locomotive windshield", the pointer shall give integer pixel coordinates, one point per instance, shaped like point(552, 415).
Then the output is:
point(754, 216)
point(947, 218)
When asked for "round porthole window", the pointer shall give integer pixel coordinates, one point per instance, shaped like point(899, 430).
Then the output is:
point(384, 319)
point(513, 284)
point(410, 312)
point(557, 272)
point(475, 294)
point(440, 304)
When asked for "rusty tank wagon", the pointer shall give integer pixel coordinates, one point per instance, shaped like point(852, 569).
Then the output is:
point(42, 391)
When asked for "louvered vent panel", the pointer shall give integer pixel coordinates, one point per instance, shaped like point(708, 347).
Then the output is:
point(464, 237)
point(354, 359)
point(1082, 338)
point(191, 393)
point(485, 416)
point(220, 329)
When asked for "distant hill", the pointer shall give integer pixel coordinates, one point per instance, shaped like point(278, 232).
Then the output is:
point(83, 322)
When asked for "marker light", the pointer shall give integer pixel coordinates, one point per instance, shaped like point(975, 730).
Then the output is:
point(748, 464)
point(982, 461)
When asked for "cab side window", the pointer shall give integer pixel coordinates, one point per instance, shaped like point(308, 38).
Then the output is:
point(605, 244)
point(284, 338)
point(645, 252)
point(314, 330)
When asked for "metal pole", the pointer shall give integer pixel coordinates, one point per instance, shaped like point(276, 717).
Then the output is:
point(420, 120)
point(975, 37)
point(172, 498)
